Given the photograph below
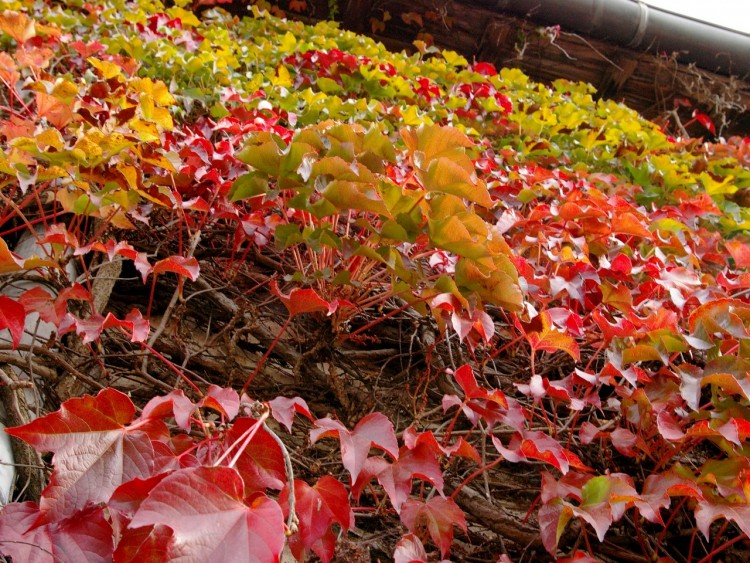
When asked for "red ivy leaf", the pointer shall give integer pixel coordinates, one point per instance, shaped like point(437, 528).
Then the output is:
point(374, 430)
point(438, 515)
point(94, 451)
point(261, 464)
point(175, 404)
point(146, 543)
point(180, 265)
point(12, 317)
point(299, 301)
point(318, 507)
point(740, 253)
point(91, 329)
point(206, 510)
point(704, 120)
point(86, 536)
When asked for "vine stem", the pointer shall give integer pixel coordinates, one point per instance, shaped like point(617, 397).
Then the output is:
point(265, 356)
point(174, 368)
point(292, 521)
point(476, 474)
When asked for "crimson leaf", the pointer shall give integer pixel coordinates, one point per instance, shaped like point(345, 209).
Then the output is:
point(211, 522)
point(94, 451)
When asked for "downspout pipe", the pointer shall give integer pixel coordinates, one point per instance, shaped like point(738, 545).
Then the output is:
point(636, 25)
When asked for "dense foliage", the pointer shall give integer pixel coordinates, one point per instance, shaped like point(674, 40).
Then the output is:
point(567, 286)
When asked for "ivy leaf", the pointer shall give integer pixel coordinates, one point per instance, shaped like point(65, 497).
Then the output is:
point(409, 549)
point(94, 452)
point(175, 404)
point(374, 430)
point(146, 543)
point(438, 515)
point(533, 444)
point(318, 508)
point(261, 463)
point(283, 409)
point(224, 400)
point(86, 536)
point(90, 329)
point(553, 519)
point(548, 339)
point(18, 25)
point(11, 262)
point(711, 509)
point(211, 521)
point(299, 301)
point(12, 317)
point(396, 478)
point(180, 265)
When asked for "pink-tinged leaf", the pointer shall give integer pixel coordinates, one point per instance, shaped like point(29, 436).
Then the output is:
point(179, 265)
point(59, 234)
point(86, 536)
point(174, 404)
point(735, 430)
point(374, 430)
point(90, 329)
point(438, 515)
point(94, 451)
point(12, 317)
point(658, 490)
point(147, 543)
point(624, 441)
point(604, 500)
point(299, 301)
point(210, 519)
point(222, 399)
point(396, 478)
point(261, 463)
point(283, 409)
point(122, 248)
point(409, 550)
point(712, 509)
point(553, 519)
point(668, 426)
point(317, 508)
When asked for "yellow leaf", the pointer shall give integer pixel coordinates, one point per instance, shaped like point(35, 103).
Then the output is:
point(144, 130)
point(64, 90)
point(107, 69)
point(283, 77)
point(187, 18)
point(288, 43)
point(156, 91)
point(129, 173)
point(717, 188)
point(90, 149)
point(50, 138)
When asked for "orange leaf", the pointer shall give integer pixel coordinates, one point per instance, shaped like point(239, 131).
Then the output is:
point(17, 25)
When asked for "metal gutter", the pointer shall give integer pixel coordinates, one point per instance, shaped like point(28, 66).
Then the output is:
point(634, 24)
